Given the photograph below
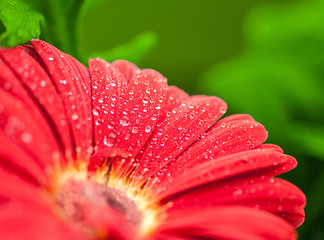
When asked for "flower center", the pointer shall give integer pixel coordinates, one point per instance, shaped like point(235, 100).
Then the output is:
point(75, 196)
point(98, 202)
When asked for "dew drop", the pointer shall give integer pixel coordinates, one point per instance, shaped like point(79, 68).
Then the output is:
point(134, 129)
point(109, 139)
point(26, 137)
point(148, 129)
point(63, 82)
point(222, 110)
point(124, 121)
point(95, 112)
point(237, 193)
point(145, 100)
point(43, 83)
point(75, 116)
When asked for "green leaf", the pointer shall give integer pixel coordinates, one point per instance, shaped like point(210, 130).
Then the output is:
point(21, 23)
point(133, 51)
point(22, 19)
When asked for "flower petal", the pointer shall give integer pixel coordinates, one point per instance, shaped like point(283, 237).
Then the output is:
point(125, 115)
point(244, 164)
point(106, 83)
point(224, 138)
point(70, 85)
point(36, 88)
point(270, 146)
point(26, 127)
point(224, 222)
point(18, 222)
point(128, 69)
point(174, 97)
point(270, 194)
point(141, 106)
point(180, 129)
point(16, 160)
point(23, 191)
point(235, 117)
point(82, 77)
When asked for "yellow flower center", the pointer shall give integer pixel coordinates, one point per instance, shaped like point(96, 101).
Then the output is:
point(76, 193)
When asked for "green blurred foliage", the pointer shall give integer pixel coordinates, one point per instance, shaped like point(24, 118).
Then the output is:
point(279, 80)
point(133, 51)
point(60, 22)
point(191, 35)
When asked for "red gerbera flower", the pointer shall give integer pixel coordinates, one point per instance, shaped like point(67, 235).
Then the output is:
point(113, 152)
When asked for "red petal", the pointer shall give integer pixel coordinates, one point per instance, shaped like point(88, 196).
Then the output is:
point(128, 69)
point(270, 147)
point(10, 83)
point(107, 84)
point(82, 76)
point(225, 137)
point(236, 117)
point(125, 116)
point(269, 194)
point(224, 222)
point(140, 109)
point(102, 157)
point(16, 188)
point(16, 160)
point(27, 128)
point(36, 88)
point(70, 85)
point(174, 97)
point(18, 222)
point(180, 129)
point(249, 163)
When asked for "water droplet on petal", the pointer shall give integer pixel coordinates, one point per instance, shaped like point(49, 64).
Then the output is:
point(222, 110)
point(26, 137)
point(75, 116)
point(147, 128)
point(110, 139)
point(134, 129)
point(95, 112)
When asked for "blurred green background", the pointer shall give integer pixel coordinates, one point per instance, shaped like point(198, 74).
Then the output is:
point(265, 58)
